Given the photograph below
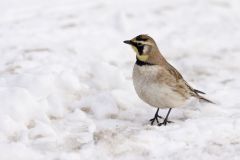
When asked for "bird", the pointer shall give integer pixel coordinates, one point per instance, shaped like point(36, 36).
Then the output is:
point(156, 81)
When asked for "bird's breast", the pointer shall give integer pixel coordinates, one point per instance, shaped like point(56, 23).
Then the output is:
point(153, 92)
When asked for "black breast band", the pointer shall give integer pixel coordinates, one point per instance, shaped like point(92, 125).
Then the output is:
point(141, 63)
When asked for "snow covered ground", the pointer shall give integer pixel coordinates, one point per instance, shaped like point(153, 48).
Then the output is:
point(65, 79)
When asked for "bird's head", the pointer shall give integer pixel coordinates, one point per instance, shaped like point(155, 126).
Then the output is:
point(144, 46)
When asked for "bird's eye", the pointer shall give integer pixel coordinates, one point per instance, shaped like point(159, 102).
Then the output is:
point(139, 44)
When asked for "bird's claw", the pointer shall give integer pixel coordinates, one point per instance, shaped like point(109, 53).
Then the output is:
point(165, 122)
point(155, 118)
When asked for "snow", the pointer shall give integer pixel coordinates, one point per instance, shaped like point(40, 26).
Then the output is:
point(66, 89)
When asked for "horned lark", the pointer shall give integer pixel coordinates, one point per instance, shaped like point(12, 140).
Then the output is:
point(156, 81)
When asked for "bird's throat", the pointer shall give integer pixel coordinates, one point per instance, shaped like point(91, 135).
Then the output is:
point(142, 57)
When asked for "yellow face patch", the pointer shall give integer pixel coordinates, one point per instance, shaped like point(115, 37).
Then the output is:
point(140, 57)
point(135, 49)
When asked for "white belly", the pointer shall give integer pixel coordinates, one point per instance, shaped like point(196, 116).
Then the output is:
point(156, 94)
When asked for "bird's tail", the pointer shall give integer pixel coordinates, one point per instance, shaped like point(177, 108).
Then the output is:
point(201, 98)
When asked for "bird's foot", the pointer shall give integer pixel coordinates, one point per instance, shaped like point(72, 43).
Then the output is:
point(155, 118)
point(165, 122)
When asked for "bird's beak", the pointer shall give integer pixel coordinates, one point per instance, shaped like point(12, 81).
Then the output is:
point(128, 42)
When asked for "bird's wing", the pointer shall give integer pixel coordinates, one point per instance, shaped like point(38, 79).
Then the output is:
point(180, 80)
point(171, 77)
point(173, 72)
point(174, 79)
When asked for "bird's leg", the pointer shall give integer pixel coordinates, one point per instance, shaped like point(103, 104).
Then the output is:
point(165, 121)
point(156, 116)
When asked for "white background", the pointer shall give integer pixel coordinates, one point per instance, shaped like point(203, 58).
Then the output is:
point(66, 91)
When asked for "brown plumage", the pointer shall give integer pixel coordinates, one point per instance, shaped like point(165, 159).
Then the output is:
point(156, 81)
